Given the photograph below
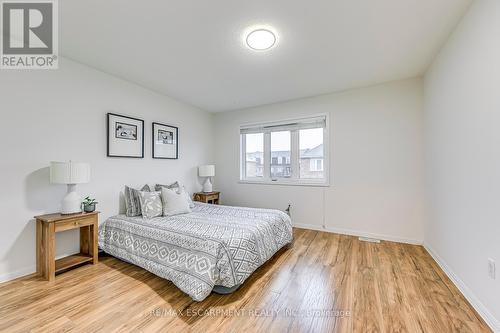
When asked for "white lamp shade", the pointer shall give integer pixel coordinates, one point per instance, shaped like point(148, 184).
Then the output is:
point(69, 172)
point(206, 171)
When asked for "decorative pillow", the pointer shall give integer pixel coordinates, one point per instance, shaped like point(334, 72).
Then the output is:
point(132, 201)
point(151, 205)
point(172, 186)
point(176, 186)
point(174, 203)
point(188, 197)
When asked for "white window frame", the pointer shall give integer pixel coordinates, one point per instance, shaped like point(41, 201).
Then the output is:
point(294, 158)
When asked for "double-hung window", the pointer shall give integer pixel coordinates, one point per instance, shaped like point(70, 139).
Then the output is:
point(292, 152)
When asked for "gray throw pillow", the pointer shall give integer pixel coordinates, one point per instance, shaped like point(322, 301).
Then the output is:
point(151, 204)
point(132, 200)
point(172, 186)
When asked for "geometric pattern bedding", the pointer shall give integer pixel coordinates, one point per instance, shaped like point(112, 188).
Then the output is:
point(212, 245)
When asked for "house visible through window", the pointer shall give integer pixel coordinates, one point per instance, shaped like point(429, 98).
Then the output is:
point(280, 149)
point(254, 145)
point(291, 152)
point(315, 165)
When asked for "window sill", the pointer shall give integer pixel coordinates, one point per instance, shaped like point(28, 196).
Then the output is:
point(284, 183)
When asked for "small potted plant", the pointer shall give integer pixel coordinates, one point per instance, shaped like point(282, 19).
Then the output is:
point(89, 205)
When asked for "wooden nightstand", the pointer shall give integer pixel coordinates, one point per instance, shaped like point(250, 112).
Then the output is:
point(46, 228)
point(207, 197)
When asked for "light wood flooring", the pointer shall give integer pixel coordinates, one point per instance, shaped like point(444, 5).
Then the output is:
point(322, 283)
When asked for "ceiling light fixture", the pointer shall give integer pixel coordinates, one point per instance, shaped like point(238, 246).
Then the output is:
point(261, 39)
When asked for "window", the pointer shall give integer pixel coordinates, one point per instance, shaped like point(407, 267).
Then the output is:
point(254, 148)
point(280, 149)
point(291, 152)
point(314, 165)
point(311, 153)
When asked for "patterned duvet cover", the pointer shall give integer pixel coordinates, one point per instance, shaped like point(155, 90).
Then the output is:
point(213, 245)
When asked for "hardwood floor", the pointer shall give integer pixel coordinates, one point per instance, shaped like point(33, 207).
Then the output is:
point(322, 283)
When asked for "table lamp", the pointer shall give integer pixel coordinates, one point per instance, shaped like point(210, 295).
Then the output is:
point(70, 173)
point(207, 171)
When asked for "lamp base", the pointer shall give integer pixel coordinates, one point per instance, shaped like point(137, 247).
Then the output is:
point(72, 203)
point(207, 186)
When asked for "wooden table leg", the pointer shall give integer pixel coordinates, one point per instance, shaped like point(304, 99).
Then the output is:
point(39, 254)
point(93, 243)
point(85, 240)
point(88, 243)
point(48, 251)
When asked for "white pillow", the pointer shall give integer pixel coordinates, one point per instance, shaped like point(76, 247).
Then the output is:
point(174, 203)
point(188, 196)
point(177, 187)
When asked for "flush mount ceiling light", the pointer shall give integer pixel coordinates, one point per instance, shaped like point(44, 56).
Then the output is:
point(261, 39)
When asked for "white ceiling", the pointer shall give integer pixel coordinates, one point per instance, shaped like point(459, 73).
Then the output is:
point(193, 50)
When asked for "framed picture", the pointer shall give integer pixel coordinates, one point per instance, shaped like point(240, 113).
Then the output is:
point(125, 136)
point(165, 141)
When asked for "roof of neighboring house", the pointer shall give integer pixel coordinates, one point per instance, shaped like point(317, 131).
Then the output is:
point(316, 152)
point(276, 153)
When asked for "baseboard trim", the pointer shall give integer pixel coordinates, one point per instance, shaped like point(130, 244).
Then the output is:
point(480, 308)
point(356, 233)
point(17, 274)
point(6, 277)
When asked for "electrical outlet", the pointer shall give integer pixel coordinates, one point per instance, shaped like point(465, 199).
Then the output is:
point(491, 268)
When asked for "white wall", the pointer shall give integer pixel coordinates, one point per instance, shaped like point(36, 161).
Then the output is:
point(462, 122)
point(376, 162)
point(61, 115)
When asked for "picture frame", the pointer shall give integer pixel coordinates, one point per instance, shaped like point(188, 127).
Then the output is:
point(165, 141)
point(125, 136)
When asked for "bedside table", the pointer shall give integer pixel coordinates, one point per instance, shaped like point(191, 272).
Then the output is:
point(207, 197)
point(46, 228)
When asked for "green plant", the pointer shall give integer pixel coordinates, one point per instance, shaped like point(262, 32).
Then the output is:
point(88, 201)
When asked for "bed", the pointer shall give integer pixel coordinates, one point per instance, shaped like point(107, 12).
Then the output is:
point(213, 246)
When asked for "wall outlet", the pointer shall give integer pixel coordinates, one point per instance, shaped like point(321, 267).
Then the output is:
point(491, 268)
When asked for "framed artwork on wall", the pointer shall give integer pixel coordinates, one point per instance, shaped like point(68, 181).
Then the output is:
point(165, 141)
point(125, 136)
